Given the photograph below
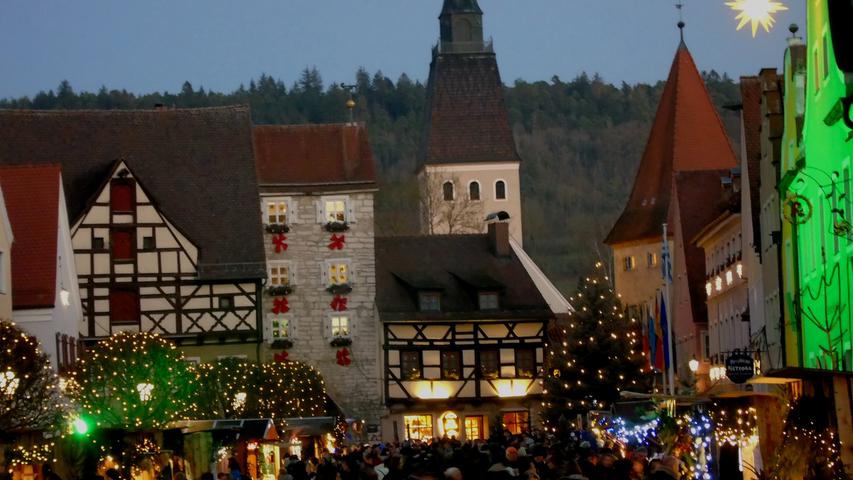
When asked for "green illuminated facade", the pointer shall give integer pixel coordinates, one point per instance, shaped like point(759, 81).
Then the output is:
point(816, 193)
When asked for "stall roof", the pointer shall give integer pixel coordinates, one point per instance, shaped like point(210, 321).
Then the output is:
point(309, 426)
point(256, 428)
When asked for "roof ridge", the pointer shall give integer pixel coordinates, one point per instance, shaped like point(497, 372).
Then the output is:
point(34, 166)
point(59, 112)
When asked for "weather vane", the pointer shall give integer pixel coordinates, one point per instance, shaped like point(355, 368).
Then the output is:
point(756, 12)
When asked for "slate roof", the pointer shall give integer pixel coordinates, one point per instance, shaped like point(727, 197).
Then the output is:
point(313, 155)
point(459, 266)
point(31, 193)
point(687, 135)
point(750, 92)
point(197, 164)
point(467, 118)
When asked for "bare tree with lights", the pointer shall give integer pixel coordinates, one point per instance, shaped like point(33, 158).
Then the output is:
point(594, 355)
point(29, 394)
point(133, 381)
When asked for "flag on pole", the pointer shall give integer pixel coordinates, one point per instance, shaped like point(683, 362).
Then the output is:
point(659, 338)
point(650, 342)
point(665, 262)
point(664, 329)
point(644, 315)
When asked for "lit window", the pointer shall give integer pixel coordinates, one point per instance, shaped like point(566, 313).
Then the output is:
point(652, 259)
point(418, 427)
point(338, 273)
point(276, 212)
point(488, 301)
point(739, 270)
point(500, 190)
point(335, 210)
point(340, 326)
point(410, 365)
point(474, 190)
point(709, 288)
point(629, 263)
point(729, 277)
point(718, 283)
point(489, 364)
point(516, 422)
point(447, 191)
point(525, 363)
point(474, 427)
point(429, 301)
point(451, 365)
point(279, 274)
point(280, 328)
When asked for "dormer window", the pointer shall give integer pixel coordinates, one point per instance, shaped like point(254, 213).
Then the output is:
point(488, 300)
point(429, 301)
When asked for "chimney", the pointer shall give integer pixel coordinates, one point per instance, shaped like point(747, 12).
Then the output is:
point(499, 238)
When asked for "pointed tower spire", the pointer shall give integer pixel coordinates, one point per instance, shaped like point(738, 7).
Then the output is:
point(461, 25)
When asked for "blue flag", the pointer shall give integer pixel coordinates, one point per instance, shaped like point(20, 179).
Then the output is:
point(665, 262)
point(665, 329)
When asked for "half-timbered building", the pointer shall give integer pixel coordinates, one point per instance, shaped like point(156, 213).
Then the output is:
point(317, 186)
point(464, 319)
point(162, 205)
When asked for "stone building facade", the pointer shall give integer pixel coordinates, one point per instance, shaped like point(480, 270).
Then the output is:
point(317, 186)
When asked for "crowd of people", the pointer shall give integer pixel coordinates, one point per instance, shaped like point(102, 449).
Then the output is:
point(522, 457)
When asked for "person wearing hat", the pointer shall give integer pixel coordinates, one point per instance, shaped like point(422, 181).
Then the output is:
point(667, 469)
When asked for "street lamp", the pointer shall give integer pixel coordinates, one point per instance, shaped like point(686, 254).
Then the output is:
point(694, 365)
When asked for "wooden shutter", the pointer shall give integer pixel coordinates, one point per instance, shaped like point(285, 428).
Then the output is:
point(124, 306)
point(121, 241)
point(348, 203)
point(122, 196)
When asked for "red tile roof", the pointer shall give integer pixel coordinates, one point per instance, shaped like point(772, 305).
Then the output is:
point(687, 135)
point(292, 155)
point(32, 201)
point(468, 120)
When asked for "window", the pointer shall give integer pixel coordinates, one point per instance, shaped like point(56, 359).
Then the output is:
point(279, 274)
point(340, 326)
point(488, 300)
point(276, 212)
point(489, 364)
point(451, 365)
point(652, 259)
point(418, 427)
point(474, 427)
point(447, 191)
point(525, 363)
point(629, 263)
point(122, 196)
point(410, 365)
point(226, 302)
point(122, 244)
point(337, 272)
point(98, 243)
point(148, 243)
point(124, 307)
point(500, 190)
point(474, 190)
point(429, 301)
point(516, 422)
point(280, 328)
point(334, 210)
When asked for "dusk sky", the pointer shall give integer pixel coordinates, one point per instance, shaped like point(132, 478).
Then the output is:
point(155, 45)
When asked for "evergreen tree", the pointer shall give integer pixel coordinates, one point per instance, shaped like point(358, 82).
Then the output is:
point(594, 355)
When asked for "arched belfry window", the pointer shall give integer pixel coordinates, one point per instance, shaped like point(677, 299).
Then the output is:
point(500, 190)
point(474, 190)
point(448, 191)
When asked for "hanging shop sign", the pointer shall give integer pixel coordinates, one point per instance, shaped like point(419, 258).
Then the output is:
point(740, 367)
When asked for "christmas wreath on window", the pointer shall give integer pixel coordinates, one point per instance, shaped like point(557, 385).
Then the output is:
point(336, 226)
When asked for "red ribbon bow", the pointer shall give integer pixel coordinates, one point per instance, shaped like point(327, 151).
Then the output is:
point(278, 241)
point(337, 242)
point(281, 357)
point(280, 305)
point(343, 357)
point(339, 303)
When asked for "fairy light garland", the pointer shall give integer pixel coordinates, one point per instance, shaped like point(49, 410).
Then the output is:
point(34, 455)
point(736, 426)
point(134, 381)
point(701, 430)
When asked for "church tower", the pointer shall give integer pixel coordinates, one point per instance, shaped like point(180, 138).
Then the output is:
point(469, 166)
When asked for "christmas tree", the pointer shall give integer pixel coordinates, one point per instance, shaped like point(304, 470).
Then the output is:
point(593, 355)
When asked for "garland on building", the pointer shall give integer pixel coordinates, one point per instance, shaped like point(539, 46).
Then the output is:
point(133, 381)
point(29, 395)
point(594, 355)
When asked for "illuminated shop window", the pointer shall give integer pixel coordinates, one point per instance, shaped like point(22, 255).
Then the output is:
point(516, 422)
point(418, 427)
point(474, 427)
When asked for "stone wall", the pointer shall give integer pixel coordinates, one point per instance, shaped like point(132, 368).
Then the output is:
point(356, 388)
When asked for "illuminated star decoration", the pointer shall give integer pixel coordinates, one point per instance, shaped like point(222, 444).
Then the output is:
point(756, 12)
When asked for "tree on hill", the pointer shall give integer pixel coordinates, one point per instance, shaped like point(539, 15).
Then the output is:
point(594, 355)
